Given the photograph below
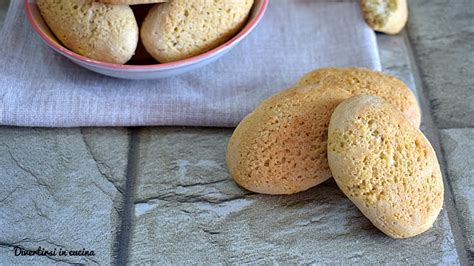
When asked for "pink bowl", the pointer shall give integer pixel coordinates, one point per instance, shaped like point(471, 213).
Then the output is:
point(155, 71)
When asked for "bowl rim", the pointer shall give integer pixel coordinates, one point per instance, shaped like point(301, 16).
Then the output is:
point(164, 66)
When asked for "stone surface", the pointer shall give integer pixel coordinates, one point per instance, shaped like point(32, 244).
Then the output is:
point(442, 34)
point(57, 192)
point(394, 58)
point(184, 161)
point(189, 210)
point(109, 149)
point(396, 62)
point(458, 147)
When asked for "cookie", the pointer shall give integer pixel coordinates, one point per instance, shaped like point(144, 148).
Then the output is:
point(388, 16)
point(181, 29)
point(280, 148)
point(107, 33)
point(359, 81)
point(131, 2)
point(385, 166)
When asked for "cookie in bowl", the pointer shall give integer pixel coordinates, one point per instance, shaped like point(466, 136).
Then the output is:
point(181, 29)
point(106, 33)
point(111, 62)
point(131, 2)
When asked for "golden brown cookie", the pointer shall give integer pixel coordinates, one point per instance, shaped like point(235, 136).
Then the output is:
point(181, 29)
point(388, 16)
point(360, 81)
point(107, 33)
point(280, 148)
point(385, 166)
point(131, 2)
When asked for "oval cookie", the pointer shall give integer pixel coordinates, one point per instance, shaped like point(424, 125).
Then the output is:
point(131, 2)
point(388, 16)
point(360, 81)
point(385, 166)
point(181, 29)
point(107, 33)
point(280, 148)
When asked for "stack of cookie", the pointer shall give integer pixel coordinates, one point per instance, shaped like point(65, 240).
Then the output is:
point(172, 30)
point(357, 125)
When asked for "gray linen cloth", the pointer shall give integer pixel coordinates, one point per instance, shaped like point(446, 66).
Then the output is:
point(41, 88)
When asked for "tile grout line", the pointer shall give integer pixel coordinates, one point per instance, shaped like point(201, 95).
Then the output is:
point(458, 128)
point(432, 132)
point(123, 235)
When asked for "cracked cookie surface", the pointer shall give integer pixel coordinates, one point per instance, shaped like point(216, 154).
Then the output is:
point(107, 33)
point(361, 81)
point(385, 166)
point(180, 29)
point(280, 148)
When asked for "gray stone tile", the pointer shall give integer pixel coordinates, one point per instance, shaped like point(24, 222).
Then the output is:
point(394, 58)
point(442, 35)
point(189, 210)
point(57, 192)
point(183, 161)
point(109, 148)
point(458, 147)
point(396, 62)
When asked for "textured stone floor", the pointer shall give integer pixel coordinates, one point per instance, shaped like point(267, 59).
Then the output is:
point(163, 195)
point(441, 35)
point(61, 188)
